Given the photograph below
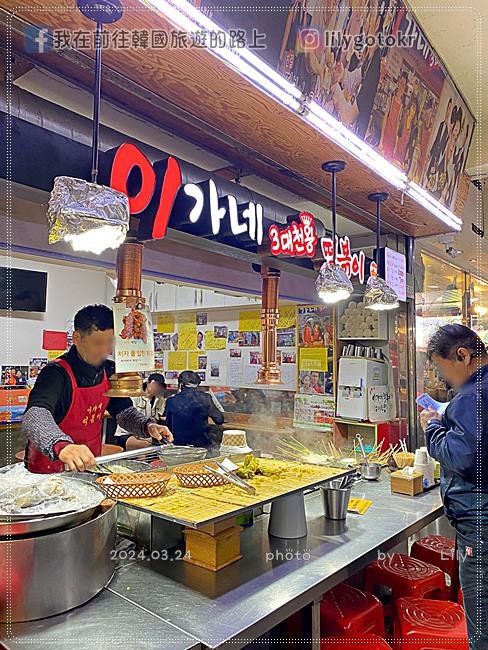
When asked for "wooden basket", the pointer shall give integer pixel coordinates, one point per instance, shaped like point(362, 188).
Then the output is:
point(137, 485)
point(196, 476)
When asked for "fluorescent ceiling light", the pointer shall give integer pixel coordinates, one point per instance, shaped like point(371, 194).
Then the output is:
point(185, 16)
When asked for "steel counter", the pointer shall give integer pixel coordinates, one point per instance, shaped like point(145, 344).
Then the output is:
point(107, 621)
point(276, 577)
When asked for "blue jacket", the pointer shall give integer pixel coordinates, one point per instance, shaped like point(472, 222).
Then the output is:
point(187, 415)
point(460, 443)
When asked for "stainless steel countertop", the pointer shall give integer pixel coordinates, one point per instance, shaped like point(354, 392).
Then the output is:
point(239, 603)
point(107, 621)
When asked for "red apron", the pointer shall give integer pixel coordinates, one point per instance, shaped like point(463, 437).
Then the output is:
point(82, 423)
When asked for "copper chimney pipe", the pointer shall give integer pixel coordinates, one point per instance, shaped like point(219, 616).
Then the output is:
point(129, 278)
point(269, 373)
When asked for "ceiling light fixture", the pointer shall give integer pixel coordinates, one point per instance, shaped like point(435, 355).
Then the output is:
point(187, 17)
point(89, 216)
point(332, 283)
point(378, 295)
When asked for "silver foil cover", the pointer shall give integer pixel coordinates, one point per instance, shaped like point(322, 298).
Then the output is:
point(377, 292)
point(332, 278)
point(77, 206)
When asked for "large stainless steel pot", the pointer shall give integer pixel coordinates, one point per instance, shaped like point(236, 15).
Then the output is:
point(46, 574)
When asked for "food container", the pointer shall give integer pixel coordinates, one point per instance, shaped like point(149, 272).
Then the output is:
point(370, 471)
point(196, 476)
point(336, 502)
point(179, 455)
point(52, 573)
point(138, 485)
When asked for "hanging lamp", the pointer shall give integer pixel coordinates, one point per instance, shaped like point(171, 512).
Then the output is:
point(378, 295)
point(89, 216)
point(332, 283)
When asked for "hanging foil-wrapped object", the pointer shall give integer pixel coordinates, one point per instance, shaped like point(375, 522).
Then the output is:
point(379, 295)
point(332, 283)
point(91, 217)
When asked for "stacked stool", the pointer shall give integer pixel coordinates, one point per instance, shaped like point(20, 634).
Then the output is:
point(406, 577)
point(423, 624)
point(441, 552)
point(346, 611)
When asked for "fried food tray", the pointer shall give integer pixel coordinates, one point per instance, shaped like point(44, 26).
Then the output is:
point(197, 507)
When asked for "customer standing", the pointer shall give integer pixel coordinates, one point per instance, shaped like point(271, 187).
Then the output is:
point(459, 441)
point(188, 411)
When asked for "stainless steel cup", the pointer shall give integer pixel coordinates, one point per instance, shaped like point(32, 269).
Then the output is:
point(335, 502)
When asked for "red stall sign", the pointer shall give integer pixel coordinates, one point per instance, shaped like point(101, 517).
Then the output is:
point(297, 240)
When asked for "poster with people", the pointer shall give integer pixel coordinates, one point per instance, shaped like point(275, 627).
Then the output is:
point(315, 327)
point(376, 72)
point(372, 68)
point(14, 375)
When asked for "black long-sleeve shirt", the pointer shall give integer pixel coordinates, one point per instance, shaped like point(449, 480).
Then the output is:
point(187, 415)
point(50, 400)
point(52, 390)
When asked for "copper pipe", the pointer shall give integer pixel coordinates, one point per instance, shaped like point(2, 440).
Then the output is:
point(269, 373)
point(129, 273)
point(129, 280)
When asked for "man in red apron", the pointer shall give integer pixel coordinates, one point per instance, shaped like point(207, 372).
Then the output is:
point(64, 415)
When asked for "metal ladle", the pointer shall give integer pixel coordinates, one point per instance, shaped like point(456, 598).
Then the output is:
point(360, 440)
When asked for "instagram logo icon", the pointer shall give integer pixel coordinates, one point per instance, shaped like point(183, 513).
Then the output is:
point(309, 39)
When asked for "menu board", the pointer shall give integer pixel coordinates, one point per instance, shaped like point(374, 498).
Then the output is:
point(396, 272)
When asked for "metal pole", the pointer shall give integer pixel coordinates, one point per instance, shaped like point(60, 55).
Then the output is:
point(378, 233)
point(334, 217)
point(96, 101)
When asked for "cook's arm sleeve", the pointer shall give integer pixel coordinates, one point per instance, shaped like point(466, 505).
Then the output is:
point(39, 426)
point(454, 440)
point(134, 422)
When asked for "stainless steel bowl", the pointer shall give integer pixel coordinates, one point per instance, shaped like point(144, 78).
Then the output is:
point(370, 471)
point(179, 455)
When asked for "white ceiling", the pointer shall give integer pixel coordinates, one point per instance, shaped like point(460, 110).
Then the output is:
point(459, 33)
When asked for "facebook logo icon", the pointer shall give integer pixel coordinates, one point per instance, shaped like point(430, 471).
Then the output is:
point(37, 40)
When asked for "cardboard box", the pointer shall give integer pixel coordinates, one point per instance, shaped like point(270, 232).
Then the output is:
point(410, 485)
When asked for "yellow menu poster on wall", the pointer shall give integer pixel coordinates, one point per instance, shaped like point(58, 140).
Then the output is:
point(193, 360)
point(250, 321)
point(165, 323)
point(177, 361)
point(313, 359)
point(288, 317)
point(212, 343)
point(187, 332)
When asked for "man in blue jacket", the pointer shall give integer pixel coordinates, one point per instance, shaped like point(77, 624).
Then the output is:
point(459, 441)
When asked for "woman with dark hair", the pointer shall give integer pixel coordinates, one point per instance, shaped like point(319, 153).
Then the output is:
point(151, 405)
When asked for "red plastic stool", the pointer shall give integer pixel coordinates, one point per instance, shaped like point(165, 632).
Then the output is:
point(460, 597)
point(359, 642)
point(405, 576)
point(441, 552)
point(422, 623)
point(345, 611)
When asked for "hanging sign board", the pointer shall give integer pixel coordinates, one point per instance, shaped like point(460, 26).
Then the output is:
point(134, 343)
point(394, 269)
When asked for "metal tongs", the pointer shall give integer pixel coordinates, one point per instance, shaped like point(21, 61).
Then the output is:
point(122, 455)
point(230, 477)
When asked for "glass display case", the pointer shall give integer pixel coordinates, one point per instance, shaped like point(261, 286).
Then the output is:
point(439, 301)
